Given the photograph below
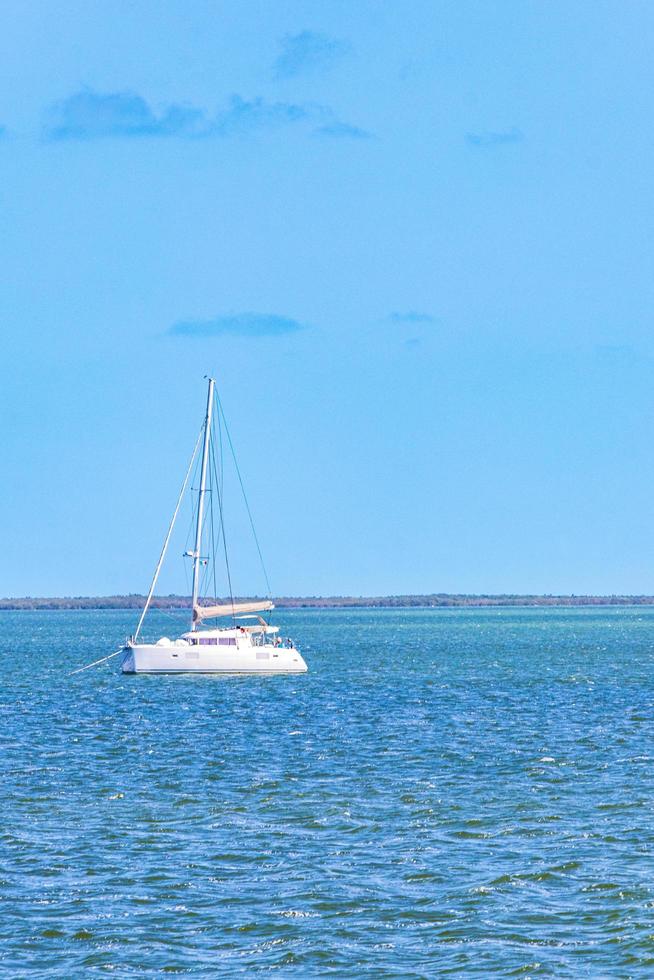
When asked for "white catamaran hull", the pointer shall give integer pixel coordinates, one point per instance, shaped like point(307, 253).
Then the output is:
point(151, 658)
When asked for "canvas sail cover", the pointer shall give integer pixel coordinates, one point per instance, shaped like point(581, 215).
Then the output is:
point(231, 609)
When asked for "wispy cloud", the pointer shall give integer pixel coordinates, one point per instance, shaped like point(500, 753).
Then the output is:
point(412, 316)
point(242, 116)
point(341, 130)
point(307, 52)
point(499, 138)
point(241, 324)
point(88, 115)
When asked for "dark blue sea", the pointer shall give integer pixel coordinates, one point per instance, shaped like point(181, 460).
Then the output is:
point(446, 792)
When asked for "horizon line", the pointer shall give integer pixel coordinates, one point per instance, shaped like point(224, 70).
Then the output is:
point(171, 601)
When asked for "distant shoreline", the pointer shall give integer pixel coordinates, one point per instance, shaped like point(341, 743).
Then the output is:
point(430, 601)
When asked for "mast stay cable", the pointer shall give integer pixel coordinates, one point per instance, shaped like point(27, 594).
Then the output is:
point(221, 412)
point(221, 514)
point(170, 531)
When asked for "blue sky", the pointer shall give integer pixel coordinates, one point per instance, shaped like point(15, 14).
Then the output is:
point(413, 243)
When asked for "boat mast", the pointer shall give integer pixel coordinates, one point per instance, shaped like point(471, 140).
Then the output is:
point(203, 490)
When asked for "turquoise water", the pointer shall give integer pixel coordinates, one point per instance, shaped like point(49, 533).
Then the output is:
point(446, 792)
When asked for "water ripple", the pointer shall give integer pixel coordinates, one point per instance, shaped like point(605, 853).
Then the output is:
point(446, 792)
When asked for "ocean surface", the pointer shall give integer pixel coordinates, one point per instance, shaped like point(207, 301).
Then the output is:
point(446, 792)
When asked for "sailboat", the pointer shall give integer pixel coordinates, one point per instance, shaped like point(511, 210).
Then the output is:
point(248, 644)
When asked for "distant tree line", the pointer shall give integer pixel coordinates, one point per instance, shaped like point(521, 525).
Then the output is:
point(434, 600)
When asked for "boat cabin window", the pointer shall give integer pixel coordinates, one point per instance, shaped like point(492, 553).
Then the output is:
point(206, 641)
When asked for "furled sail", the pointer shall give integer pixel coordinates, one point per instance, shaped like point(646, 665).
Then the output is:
point(230, 609)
